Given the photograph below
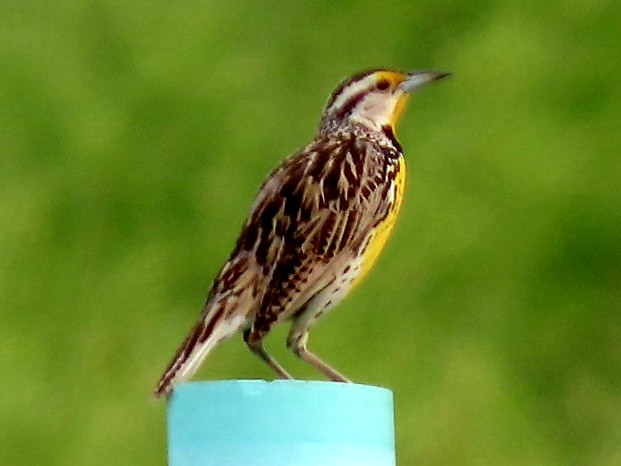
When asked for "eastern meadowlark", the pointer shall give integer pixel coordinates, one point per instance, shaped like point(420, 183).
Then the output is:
point(316, 227)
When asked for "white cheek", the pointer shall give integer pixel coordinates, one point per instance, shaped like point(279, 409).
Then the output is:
point(378, 109)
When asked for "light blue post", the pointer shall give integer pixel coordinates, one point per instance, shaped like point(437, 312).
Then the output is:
point(285, 422)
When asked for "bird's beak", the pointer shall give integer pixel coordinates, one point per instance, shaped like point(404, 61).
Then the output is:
point(416, 79)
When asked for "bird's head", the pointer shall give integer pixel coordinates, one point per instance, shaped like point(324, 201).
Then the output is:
point(373, 98)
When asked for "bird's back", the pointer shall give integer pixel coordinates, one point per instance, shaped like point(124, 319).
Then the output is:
point(324, 208)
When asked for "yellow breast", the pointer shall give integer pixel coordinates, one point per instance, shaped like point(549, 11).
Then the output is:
point(382, 232)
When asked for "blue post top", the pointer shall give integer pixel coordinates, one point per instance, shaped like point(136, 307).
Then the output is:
point(284, 422)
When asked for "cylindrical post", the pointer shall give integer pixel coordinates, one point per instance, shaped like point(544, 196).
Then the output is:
point(285, 422)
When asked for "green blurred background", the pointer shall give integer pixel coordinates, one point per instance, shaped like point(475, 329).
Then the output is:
point(133, 136)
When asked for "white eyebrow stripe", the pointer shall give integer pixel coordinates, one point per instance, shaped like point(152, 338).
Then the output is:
point(363, 85)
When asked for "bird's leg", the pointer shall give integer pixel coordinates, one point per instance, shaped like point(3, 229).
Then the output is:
point(254, 341)
point(296, 342)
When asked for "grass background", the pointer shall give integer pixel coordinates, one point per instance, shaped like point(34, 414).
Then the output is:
point(133, 136)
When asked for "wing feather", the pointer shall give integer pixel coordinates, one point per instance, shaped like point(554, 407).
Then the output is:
point(322, 202)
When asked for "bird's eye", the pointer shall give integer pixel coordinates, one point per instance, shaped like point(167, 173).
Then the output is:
point(382, 84)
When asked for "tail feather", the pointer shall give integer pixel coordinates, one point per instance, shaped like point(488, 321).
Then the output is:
point(231, 304)
point(214, 327)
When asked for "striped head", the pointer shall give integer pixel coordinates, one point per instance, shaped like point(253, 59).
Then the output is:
point(373, 98)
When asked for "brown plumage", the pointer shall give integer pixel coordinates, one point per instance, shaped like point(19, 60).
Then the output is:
point(317, 225)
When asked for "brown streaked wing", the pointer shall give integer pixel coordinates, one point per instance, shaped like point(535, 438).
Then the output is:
point(320, 203)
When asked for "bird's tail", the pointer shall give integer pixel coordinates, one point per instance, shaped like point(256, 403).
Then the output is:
point(217, 324)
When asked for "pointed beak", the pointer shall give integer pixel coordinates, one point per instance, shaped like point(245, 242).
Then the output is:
point(416, 79)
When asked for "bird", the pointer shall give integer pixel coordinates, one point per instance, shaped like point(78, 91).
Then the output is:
point(317, 226)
